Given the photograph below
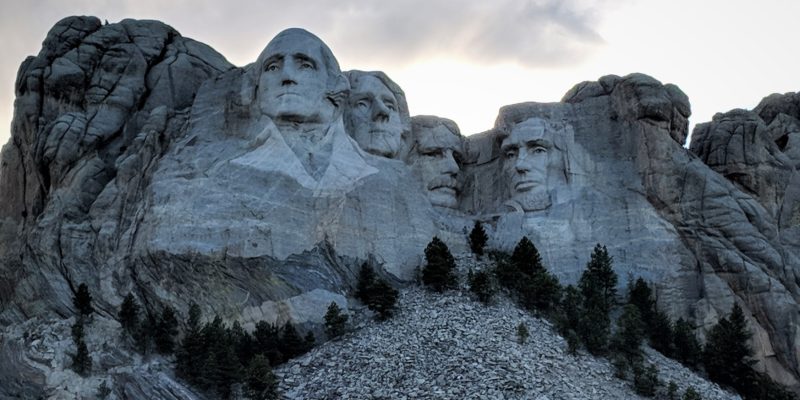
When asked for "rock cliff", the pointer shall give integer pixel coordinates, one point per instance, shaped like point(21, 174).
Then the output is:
point(142, 161)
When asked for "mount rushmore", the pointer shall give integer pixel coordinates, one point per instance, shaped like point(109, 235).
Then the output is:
point(142, 161)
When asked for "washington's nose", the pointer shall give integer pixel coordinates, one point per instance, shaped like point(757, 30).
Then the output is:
point(380, 113)
point(287, 76)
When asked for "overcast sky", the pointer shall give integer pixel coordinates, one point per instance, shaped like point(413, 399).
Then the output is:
point(465, 59)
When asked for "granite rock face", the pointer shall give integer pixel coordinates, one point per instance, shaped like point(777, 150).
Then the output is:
point(143, 162)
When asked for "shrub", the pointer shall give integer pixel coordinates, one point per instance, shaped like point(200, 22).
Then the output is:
point(691, 394)
point(480, 283)
point(522, 333)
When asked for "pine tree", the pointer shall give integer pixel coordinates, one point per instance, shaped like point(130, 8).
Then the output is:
point(599, 281)
point(243, 343)
point(83, 300)
point(598, 290)
point(165, 331)
point(439, 270)
point(641, 296)
point(77, 329)
point(191, 352)
point(310, 341)
point(628, 338)
point(366, 279)
point(508, 276)
point(229, 369)
point(335, 321)
point(291, 344)
point(539, 291)
point(143, 336)
point(685, 344)
point(267, 339)
point(477, 239)
point(480, 283)
point(660, 332)
point(384, 299)
point(526, 257)
point(261, 382)
point(129, 314)
point(81, 361)
point(727, 356)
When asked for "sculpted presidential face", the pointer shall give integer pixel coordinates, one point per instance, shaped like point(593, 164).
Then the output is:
point(436, 160)
point(373, 116)
point(530, 162)
point(297, 74)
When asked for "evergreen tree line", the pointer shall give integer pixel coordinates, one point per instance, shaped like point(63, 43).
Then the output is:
point(582, 315)
point(215, 356)
point(376, 293)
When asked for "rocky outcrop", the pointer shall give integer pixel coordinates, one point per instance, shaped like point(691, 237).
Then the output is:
point(452, 347)
point(143, 162)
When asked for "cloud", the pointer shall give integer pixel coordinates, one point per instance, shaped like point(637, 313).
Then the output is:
point(362, 33)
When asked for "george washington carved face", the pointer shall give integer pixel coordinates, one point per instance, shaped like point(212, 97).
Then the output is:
point(299, 79)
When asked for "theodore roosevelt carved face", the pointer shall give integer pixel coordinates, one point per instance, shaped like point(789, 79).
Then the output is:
point(435, 158)
point(376, 113)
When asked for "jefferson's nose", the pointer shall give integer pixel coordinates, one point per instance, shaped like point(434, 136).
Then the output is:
point(380, 112)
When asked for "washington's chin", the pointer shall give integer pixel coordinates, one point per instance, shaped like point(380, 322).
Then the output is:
point(443, 197)
point(383, 151)
point(294, 107)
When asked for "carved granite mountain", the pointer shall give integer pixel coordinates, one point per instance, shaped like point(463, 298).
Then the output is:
point(142, 161)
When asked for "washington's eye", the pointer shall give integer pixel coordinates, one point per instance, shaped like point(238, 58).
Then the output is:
point(433, 153)
point(273, 66)
point(510, 153)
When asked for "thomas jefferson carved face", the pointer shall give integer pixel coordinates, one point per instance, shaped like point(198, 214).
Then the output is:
point(530, 159)
point(295, 78)
point(373, 115)
point(436, 160)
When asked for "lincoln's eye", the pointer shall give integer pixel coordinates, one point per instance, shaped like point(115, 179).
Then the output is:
point(306, 65)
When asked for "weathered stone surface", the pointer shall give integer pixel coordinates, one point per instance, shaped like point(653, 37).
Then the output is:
point(143, 162)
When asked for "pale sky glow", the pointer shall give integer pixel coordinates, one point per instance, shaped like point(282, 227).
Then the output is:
point(464, 60)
